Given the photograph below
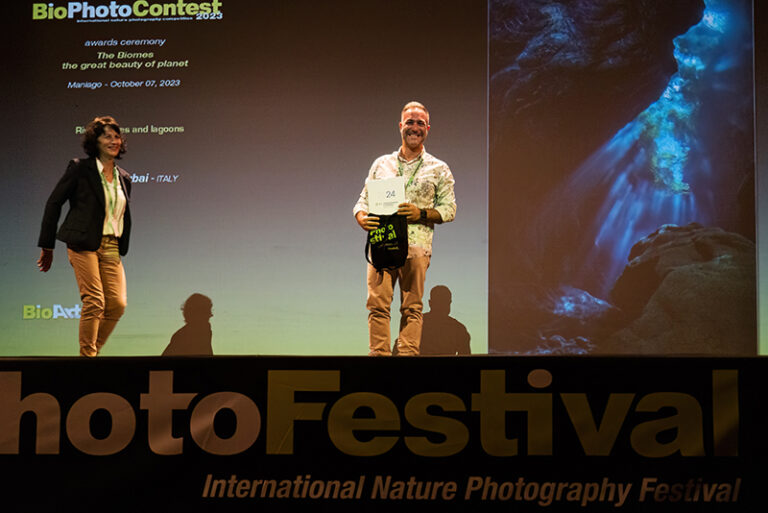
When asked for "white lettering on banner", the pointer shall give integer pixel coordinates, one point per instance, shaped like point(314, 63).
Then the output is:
point(125, 42)
point(505, 418)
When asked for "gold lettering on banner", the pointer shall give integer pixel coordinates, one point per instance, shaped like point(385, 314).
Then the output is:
point(45, 408)
point(363, 423)
point(342, 424)
point(687, 425)
point(493, 403)
point(725, 412)
point(283, 410)
point(597, 441)
point(455, 432)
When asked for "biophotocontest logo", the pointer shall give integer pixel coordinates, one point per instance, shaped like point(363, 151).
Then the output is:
point(57, 311)
point(136, 11)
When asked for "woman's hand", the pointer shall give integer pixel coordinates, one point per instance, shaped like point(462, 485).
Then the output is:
point(45, 260)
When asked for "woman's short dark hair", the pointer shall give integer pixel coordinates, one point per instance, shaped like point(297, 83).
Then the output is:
point(95, 129)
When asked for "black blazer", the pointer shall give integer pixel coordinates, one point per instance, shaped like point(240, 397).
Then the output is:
point(83, 227)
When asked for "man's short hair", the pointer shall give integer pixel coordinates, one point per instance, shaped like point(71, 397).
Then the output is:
point(415, 105)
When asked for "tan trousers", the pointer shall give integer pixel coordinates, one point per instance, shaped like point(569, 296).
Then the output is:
point(380, 292)
point(101, 279)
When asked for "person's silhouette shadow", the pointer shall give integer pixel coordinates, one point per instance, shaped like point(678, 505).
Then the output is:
point(194, 338)
point(442, 334)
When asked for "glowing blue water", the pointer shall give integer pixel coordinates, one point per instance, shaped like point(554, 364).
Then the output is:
point(657, 169)
point(658, 164)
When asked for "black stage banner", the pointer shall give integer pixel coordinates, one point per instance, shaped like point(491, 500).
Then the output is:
point(344, 434)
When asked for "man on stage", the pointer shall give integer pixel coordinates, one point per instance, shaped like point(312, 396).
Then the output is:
point(430, 201)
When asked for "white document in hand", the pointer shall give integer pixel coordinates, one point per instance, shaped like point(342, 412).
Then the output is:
point(385, 195)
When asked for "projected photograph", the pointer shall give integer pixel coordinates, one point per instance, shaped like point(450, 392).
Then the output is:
point(250, 128)
point(621, 178)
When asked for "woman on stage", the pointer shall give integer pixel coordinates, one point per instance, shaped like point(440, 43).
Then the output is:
point(96, 230)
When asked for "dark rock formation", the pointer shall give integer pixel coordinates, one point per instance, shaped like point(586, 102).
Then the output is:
point(687, 290)
point(565, 76)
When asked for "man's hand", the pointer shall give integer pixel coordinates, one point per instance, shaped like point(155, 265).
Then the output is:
point(45, 260)
point(367, 222)
point(410, 211)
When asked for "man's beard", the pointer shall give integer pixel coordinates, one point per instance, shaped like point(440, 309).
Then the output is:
point(408, 132)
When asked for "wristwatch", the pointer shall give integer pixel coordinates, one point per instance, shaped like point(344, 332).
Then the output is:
point(423, 215)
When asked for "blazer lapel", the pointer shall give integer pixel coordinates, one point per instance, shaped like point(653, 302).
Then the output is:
point(123, 174)
point(92, 173)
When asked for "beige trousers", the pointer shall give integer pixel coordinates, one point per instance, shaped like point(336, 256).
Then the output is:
point(101, 279)
point(381, 287)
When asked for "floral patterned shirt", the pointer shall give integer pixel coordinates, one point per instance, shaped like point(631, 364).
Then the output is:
point(431, 187)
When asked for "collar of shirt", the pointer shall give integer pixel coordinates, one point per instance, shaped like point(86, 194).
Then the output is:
point(100, 167)
point(116, 172)
point(414, 159)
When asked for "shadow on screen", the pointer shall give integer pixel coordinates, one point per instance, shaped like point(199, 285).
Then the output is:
point(442, 334)
point(194, 338)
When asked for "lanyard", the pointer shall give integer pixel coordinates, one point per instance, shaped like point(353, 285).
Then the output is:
point(400, 170)
point(112, 201)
